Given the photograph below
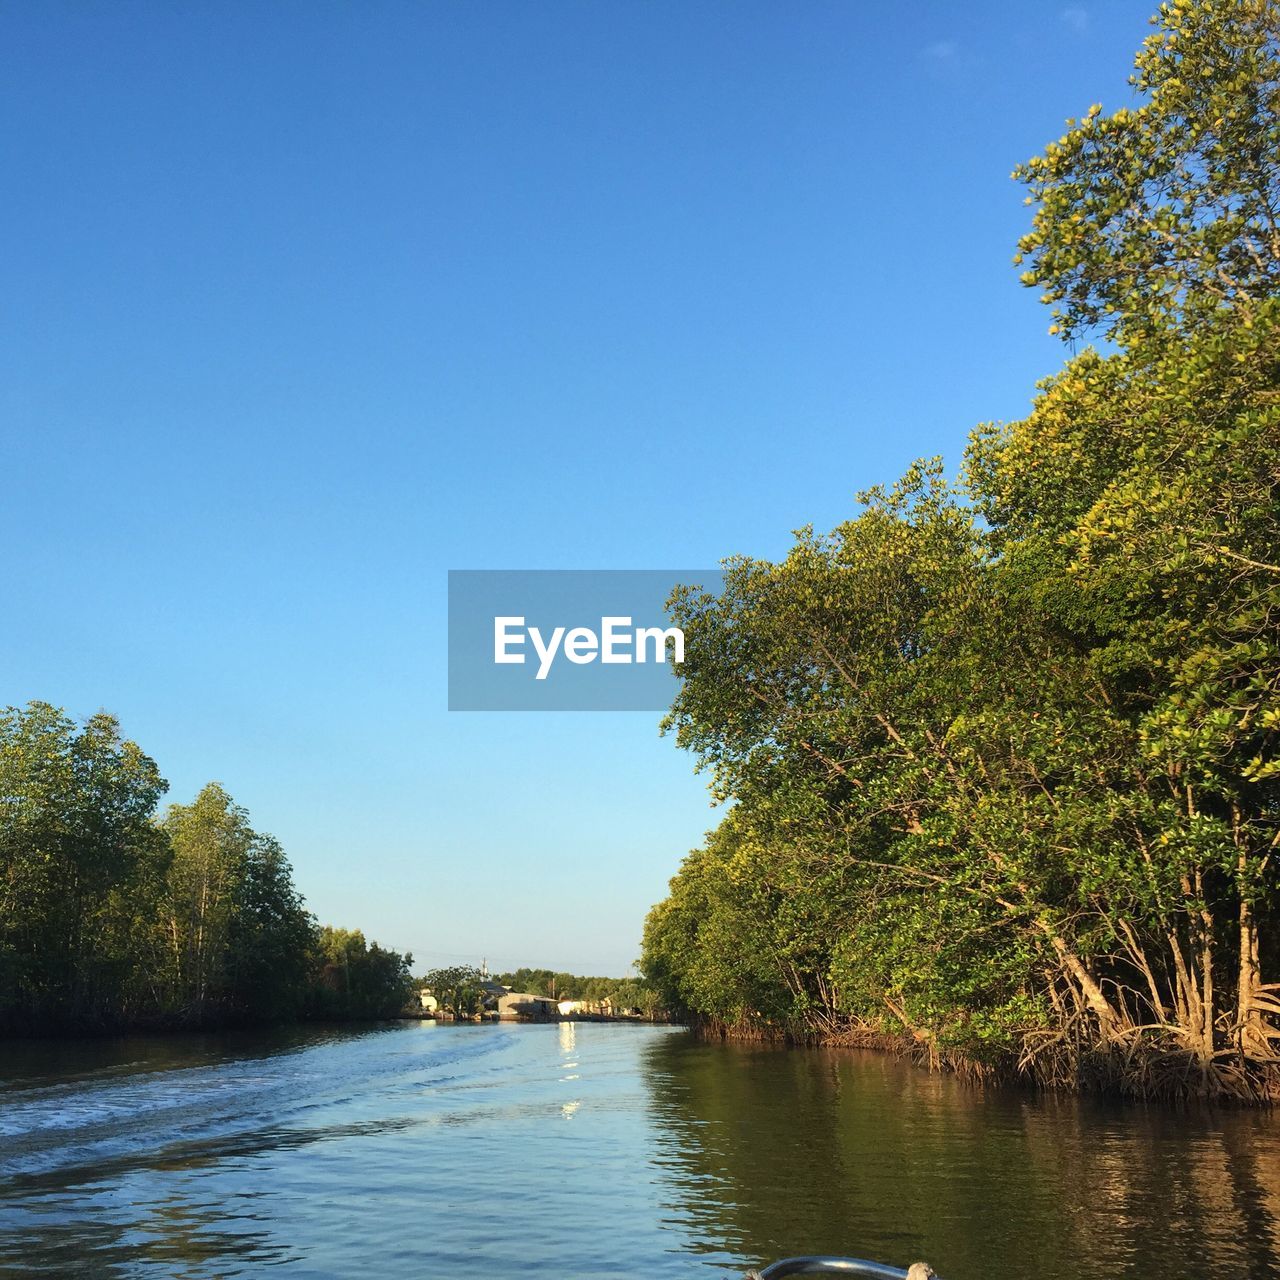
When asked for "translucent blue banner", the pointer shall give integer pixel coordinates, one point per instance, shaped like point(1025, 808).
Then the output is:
point(565, 639)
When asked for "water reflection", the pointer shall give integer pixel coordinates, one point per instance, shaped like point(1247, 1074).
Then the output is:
point(594, 1151)
point(766, 1153)
point(568, 1032)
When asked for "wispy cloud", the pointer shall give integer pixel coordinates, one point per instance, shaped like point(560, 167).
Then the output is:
point(1076, 18)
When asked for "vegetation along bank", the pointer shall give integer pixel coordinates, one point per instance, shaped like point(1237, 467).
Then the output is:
point(1002, 750)
point(115, 915)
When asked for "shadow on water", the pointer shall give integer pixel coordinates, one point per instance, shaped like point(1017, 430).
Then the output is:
point(766, 1152)
point(69, 1061)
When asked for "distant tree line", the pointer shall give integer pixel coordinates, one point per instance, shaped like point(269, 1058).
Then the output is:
point(623, 993)
point(459, 988)
point(1003, 752)
point(113, 913)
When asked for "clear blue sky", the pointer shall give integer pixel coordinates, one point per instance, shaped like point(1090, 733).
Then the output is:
point(305, 304)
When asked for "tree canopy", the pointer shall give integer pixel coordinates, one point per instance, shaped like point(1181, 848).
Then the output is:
point(113, 914)
point(1002, 750)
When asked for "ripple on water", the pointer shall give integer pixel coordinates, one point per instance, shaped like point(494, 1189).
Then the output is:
point(597, 1150)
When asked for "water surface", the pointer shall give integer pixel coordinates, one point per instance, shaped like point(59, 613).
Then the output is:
point(592, 1150)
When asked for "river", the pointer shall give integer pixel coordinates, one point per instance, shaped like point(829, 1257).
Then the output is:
point(596, 1150)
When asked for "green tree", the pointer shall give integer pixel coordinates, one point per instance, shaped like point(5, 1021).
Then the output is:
point(1162, 532)
point(457, 988)
point(80, 867)
point(236, 936)
point(1004, 759)
point(212, 843)
point(111, 917)
point(351, 978)
point(537, 982)
point(271, 936)
point(1159, 218)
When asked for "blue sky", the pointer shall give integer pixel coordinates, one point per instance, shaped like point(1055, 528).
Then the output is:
point(305, 304)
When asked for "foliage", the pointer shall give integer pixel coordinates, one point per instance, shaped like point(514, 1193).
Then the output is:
point(1157, 219)
point(237, 932)
point(623, 993)
point(1003, 754)
point(111, 915)
point(354, 979)
point(80, 863)
point(457, 987)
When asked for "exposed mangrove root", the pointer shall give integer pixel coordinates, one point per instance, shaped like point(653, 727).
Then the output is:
point(1143, 1069)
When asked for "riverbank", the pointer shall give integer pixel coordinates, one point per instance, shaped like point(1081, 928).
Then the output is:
point(162, 1029)
point(1143, 1072)
point(998, 752)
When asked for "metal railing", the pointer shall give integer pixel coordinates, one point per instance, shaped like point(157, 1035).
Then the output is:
point(826, 1266)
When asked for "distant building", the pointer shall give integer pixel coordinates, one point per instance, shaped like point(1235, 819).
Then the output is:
point(523, 1004)
point(491, 994)
point(586, 1008)
point(428, 1001)
point(593, 1008)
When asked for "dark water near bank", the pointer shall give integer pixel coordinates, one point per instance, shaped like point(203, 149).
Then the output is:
point(595, 1150)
